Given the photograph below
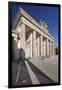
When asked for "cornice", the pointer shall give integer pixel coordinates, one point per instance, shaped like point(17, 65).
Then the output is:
point(22, 13)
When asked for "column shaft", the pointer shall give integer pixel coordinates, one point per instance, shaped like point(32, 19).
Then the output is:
point(47, 47)
point(31, 45)
point(23, 36)
point(44, 44)
point(22, 41)
point(53, 48)
point(50, 48)
point(41, 43)
point(38, 46)
point(34, 44)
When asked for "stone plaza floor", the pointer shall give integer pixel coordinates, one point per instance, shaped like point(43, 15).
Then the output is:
point(35, 71)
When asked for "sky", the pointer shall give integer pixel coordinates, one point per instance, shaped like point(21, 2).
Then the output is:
point(48, 14)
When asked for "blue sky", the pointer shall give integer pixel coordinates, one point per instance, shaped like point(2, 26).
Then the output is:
point(48, 14)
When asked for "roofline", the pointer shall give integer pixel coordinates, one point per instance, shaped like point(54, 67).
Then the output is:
point(30, 18)
point(26, 15)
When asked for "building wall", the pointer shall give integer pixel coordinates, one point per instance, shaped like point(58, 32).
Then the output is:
point(15, 50)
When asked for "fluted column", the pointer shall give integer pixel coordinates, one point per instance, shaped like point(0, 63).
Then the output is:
point(50, 48)
point(34, 43)
point(23, 35)
point(47, 47)
point(22, 41)
point(53, 47)
point(31, 45)
point(41, 43)
point(38, 46)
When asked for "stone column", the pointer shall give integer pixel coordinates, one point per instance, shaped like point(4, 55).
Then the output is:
point(22, 39)
point(41, 44)
point(47, 47)
point(34, 43)
point(50, 48)
point(38, 46)
point(53, 47)
point(31, 44)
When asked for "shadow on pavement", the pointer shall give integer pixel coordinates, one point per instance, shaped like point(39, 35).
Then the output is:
point(18, 60)
point(43, 79)
point(24, 77)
